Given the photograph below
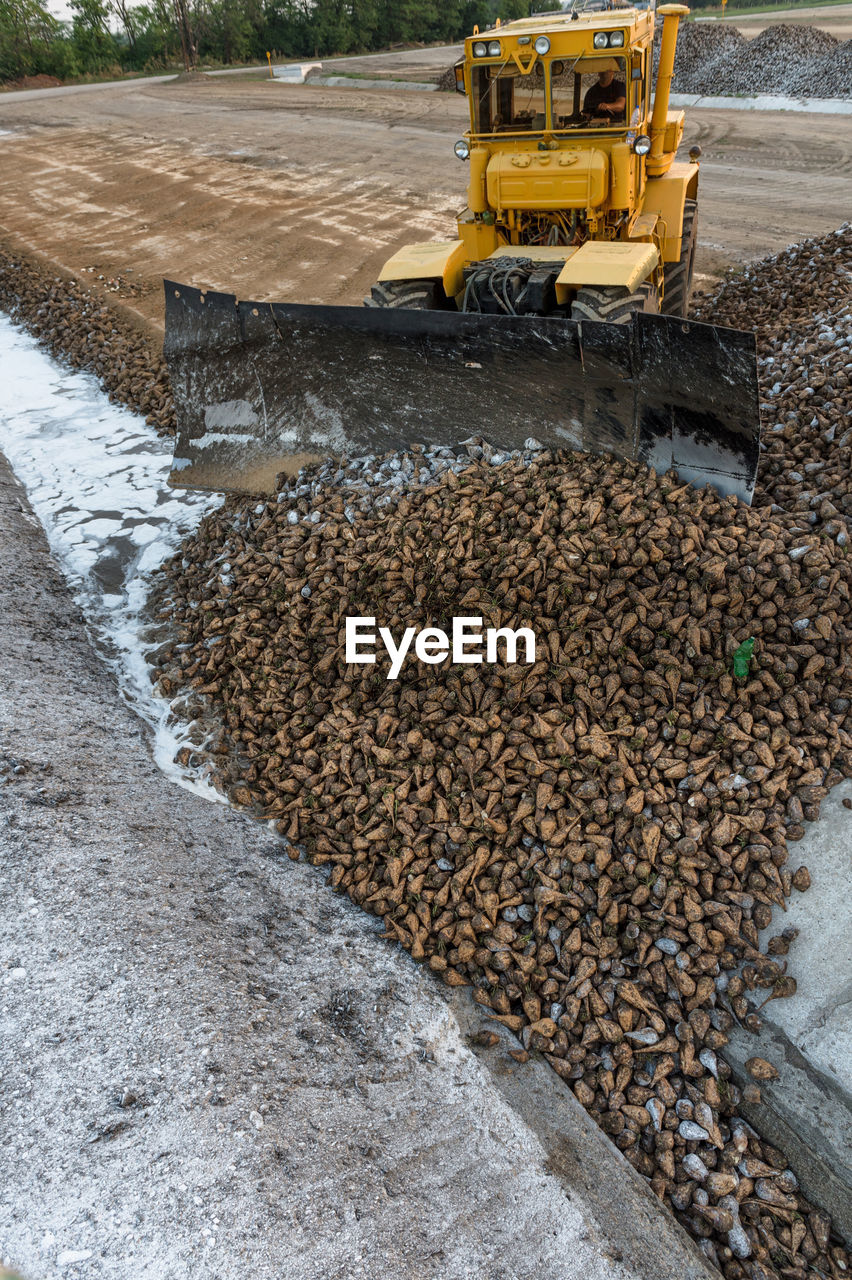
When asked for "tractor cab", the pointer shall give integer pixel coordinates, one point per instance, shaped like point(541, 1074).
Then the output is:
point(558, 96)
point(579, 72)
point(567, 141)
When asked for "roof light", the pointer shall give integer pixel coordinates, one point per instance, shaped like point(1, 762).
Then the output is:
point(600, 40)
point(542, 45)
point(480, 49)
point(616, 40)
point(494, 49)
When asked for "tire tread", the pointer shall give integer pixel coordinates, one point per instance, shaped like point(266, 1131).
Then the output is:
point(406, 295)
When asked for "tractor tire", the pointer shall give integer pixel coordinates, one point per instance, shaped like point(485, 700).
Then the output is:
point(677, 276)
point(610, 304)
point(408, 295)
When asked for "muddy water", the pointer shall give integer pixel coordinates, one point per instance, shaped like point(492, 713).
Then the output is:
point(96, 475)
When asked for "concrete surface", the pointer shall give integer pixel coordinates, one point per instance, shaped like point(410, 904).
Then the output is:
point(808, 1036)
point(295, 72)
point(818, 1018)
point(765, 102)
point(360, 82)
point(212, 1065)
point(805, 1114)
point(627, 1213)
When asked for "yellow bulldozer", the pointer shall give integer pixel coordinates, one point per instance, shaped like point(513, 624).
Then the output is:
point(558, 311)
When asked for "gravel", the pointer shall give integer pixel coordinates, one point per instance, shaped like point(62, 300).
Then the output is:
point(799, 304)
point(784, 59)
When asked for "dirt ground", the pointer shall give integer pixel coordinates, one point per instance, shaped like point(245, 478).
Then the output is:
point(302, 192)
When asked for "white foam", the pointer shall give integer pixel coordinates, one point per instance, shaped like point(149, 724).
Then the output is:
point(95, 474)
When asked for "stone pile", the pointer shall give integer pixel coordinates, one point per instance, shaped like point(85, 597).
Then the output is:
point(703, 48)
point(786, 59)
point(799, 304)
point(76, 326)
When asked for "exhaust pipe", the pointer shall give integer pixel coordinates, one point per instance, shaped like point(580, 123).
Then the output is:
point(672, 14)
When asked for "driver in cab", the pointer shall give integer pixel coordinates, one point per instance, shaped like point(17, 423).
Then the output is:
point(606, 98)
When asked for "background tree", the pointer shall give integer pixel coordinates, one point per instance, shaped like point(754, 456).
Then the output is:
point(188, 46)
point(94, 43)
point(27, 32)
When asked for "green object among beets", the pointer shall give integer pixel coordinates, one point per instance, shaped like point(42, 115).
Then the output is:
point(742, 657)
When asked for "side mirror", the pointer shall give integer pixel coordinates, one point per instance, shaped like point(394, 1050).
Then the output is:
point(459, 70)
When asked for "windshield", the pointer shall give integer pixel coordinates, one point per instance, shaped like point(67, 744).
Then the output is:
point(591, 93)
point(505, 101)
point(587, 93)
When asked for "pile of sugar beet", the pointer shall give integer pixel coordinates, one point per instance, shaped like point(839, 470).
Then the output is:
point(79, 327)
point(592, 842)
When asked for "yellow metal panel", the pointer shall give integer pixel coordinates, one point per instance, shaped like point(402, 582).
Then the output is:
point(665, 197)
point(479, 239)
point(535, 252)
point(674, 130)
point(439, 260)
point(624, 166)
point(587, 66)
point(565, 179)
point(609, 262)
point(476, 198)
point(644, 226)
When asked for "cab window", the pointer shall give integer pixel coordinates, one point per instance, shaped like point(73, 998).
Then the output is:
point(505, 101)
point(590, 93)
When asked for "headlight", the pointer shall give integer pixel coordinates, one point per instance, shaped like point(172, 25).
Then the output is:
point(542, 45)
point(601, 40)
point(642, 144)
point(494, 49)
point(616, 40)
point(480, 49)
point(462, 149)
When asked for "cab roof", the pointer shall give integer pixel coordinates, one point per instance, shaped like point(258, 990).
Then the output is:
point(548, 23)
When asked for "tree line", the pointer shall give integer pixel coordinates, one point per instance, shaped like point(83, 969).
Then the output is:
point(110, 37)
point(104, 37)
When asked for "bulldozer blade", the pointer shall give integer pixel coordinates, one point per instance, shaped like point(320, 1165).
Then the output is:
point(264, 388)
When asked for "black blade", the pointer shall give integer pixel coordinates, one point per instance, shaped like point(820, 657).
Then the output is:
point(262, 388)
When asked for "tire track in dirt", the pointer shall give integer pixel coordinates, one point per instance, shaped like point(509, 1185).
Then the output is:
point(301, 193)
point(312, 236)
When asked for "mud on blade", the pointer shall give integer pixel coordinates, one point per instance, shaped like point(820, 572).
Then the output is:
point(262, 388)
